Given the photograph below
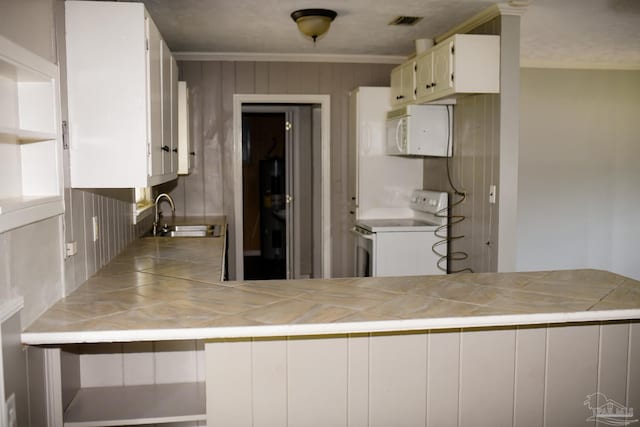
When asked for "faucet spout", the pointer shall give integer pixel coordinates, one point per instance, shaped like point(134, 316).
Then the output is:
point(156, 222)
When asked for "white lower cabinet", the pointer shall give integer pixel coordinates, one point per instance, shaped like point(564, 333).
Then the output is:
point(523, 376)
point(121, 79)
point(93, 385)
point(511, 376)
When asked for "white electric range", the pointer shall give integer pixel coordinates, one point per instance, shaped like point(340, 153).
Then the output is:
point(405, 246)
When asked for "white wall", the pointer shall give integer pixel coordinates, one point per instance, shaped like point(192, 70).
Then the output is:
point(579, 171)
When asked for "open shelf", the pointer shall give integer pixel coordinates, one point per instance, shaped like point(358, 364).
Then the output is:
point(137, 405)
point(30, 148)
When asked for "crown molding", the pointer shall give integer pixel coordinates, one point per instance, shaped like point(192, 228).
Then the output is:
point(579, 65)
point(515, 7)
point(288, 57)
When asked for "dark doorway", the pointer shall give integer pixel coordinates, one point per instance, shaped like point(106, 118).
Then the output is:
point(264, 189)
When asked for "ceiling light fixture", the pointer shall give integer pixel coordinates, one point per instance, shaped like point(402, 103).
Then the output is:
point(313, 22)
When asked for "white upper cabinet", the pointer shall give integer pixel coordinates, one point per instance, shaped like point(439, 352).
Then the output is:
point(185, 155)
point(120, 78)
point(462, 64)
point(175, 143)
point(30, 138)
point(403, 84)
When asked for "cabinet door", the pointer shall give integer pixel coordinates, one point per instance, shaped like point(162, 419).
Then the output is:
point(442, 67)
point(352, 153)
point(184, 143)
point(408, 82)
point(174, 116)
point(424, 75)
point(154, 68)
point(396, 86)
point(167, 154)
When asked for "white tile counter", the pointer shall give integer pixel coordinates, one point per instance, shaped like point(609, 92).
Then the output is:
point(170, 289)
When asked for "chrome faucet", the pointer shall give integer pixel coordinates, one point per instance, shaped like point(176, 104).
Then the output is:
point(156, 222)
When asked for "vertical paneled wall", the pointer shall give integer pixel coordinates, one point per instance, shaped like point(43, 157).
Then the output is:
point(114, 210)
point(525, 376)
point(482, 144)
point(208, 190)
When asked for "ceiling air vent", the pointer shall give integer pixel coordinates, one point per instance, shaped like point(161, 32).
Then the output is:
point(405, 20)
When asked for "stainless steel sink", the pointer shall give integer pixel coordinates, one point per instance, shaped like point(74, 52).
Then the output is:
point(190, 231)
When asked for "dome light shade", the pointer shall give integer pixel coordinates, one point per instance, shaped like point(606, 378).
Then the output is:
point(313, 22)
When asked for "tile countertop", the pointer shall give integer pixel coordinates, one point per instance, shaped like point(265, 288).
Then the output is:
point(168, 289)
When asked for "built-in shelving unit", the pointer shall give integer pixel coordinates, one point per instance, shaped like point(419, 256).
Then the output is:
point(137, 405)
point(30, 156)
point(116, 387)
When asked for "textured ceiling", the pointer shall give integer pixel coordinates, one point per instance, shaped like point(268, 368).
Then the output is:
point(554, 32)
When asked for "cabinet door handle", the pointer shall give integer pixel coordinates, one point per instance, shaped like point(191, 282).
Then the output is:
point(428, 86)
point(166, 148)
point(193, 153)
point(399, 96)
point(433, 84)
point(175, 150)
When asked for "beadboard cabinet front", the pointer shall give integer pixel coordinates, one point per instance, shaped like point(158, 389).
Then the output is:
point(119, 88)
point(519, 376)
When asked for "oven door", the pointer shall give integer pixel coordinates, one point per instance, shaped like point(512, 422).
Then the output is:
point(364, 252)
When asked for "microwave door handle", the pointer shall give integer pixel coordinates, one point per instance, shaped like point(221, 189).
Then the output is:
point(398, 136)
point(358, 233)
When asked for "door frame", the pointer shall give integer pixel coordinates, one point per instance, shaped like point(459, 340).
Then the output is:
point(325, 200)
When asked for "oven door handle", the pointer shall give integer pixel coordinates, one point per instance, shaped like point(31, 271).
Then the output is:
point(359, 233)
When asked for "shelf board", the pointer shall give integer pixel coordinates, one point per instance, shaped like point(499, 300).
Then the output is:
point(18, 211)
point(14, 204)
point(137, 405)
point(22, 135)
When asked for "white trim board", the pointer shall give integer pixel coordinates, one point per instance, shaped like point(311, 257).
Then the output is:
point(325, 104)
point(338, 328)
point(289, 57)
point(533, 63)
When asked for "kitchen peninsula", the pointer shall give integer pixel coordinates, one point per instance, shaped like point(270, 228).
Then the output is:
point(473, 349)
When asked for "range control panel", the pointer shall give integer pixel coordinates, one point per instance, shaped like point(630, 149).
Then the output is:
point(429, 201)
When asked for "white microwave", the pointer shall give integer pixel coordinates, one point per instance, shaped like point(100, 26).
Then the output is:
point(420, 130)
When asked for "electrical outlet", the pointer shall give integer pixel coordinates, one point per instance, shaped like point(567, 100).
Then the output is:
point(96, 230)
point(10, 410)
point(492, 194)
point(71, 248)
